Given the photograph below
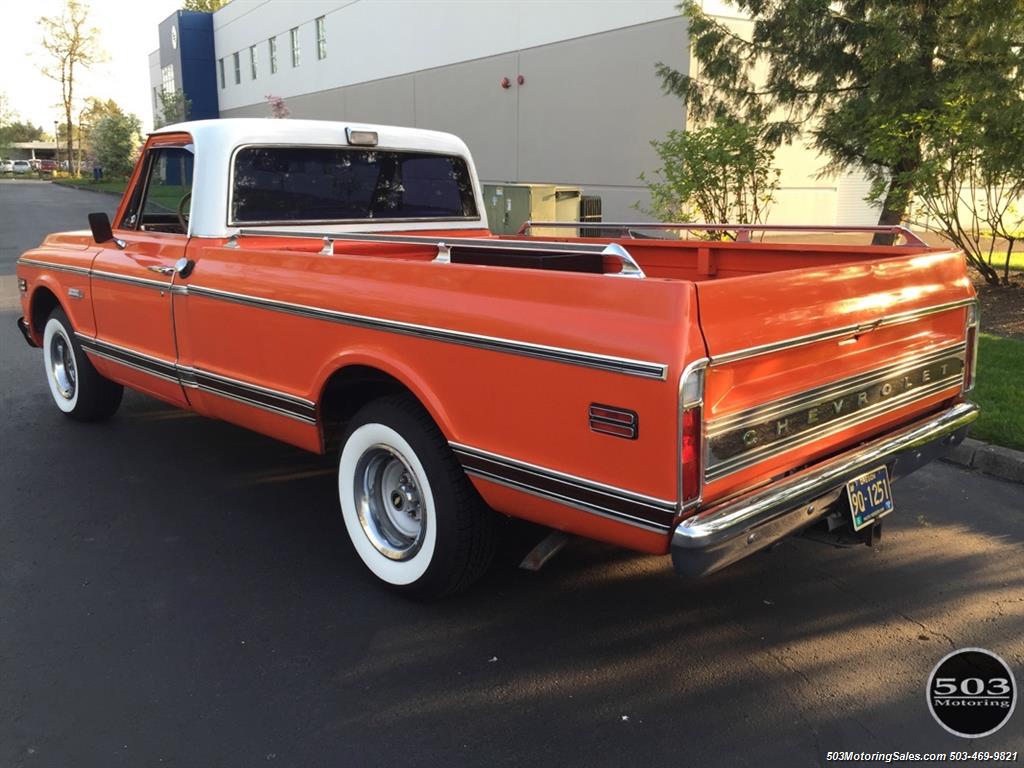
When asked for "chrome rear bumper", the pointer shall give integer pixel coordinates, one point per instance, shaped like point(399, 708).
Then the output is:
point(729, 531)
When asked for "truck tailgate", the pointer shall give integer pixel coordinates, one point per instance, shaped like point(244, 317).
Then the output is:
point(807, 362)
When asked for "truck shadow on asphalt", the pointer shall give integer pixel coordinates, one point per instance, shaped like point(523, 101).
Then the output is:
point(212, 537)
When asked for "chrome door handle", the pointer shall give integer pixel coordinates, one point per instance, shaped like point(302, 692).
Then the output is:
point(162, 270)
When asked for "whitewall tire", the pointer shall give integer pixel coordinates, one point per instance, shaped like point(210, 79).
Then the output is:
point(77, 388)
point(413, 517)
point(61, 365)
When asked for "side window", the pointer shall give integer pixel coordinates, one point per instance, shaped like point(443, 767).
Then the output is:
point(166, 188)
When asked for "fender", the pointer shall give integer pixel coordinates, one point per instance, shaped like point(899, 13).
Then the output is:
point(400, 371)
point(79, 312)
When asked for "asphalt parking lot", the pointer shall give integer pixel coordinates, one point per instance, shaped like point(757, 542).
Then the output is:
point(176, 591)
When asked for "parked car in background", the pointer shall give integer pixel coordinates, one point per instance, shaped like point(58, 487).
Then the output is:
point(48, 166)
point(22, 166)
point(6, 166)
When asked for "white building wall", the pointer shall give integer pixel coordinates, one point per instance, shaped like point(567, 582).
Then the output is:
point(590, 105)
point(851, 207)
point(373, 39)
point(155, 82)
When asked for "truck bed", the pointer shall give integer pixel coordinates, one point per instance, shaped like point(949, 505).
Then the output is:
point(781, 326)
point(690, 260)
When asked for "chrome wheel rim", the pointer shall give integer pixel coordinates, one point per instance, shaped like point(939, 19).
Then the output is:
point(62, 366)
point(388, 502)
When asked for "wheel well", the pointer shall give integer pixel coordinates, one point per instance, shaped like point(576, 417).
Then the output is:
point(43, 303)
point(349, 389)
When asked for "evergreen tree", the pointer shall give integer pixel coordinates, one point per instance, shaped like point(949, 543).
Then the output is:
point(862, 78)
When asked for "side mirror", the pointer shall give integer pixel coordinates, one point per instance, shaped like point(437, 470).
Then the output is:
point(99, 223)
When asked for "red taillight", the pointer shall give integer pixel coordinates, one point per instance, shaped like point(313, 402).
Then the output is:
point(691, 453)
point(971, 353)
point(972, 342)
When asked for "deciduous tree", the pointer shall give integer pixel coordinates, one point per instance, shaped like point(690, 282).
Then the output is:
point(20, 131)
point(206, 6)
point(115, 140)
point(278, 109)
point(175, 107)
point(970, 183)
point(70, 44)
point(720, 172)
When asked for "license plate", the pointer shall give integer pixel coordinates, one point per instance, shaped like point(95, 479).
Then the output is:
point(870, 497)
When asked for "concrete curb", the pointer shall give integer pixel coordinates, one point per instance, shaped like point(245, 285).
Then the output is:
point(1004, 463)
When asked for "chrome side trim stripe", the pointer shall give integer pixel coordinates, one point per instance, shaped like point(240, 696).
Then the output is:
point(128, 361)
point(256, 396)
point(264, 398)
point(98, 274)
point(225, 381)
point(838, 333)
point(606, 501)
point(164, 369)
point(621, 365)
point(158, 285)
point(51, 265)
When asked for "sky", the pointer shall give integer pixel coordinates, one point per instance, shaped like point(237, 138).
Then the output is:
point(127, 33)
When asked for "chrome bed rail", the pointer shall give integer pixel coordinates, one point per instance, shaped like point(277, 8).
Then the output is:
point(630, 268)
point(743, 231)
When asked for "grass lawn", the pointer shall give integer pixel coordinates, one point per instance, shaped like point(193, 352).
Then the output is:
point(115, 186)
point(162, 198)
point(1000, 392)
point(1016, 260)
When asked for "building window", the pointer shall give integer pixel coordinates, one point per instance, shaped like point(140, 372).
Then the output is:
point(252, 61)
point(321, 39)
point(296, 59)
point(273, 54)
point(156, 100)
point(238, 67)
point(167, 79)
point(223, 82)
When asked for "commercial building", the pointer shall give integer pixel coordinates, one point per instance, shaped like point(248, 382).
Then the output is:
point(32, 150)
point(184, 63)
point(559, 91)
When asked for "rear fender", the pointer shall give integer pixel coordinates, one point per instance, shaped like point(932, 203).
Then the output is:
point(398, 370)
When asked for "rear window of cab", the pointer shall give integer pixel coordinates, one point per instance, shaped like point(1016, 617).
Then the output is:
point(293, 185)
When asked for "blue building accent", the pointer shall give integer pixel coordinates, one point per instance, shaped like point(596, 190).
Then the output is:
point(186, 43)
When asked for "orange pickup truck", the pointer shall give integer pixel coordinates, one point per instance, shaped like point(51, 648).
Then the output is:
point(335, 286)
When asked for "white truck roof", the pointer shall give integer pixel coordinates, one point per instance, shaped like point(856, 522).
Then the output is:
point(215, 143)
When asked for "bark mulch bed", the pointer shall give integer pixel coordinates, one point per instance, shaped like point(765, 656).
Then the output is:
point(1002, 306)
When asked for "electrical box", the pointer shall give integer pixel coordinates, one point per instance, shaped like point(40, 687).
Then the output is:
point(509, 206)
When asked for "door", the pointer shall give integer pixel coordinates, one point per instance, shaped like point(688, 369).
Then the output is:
point(133, 275)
